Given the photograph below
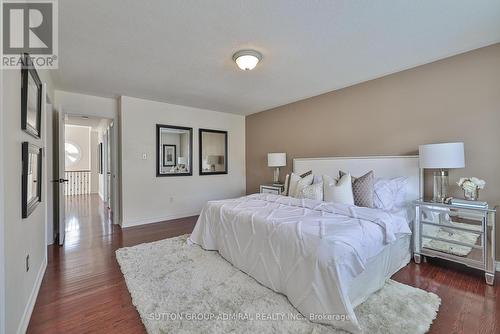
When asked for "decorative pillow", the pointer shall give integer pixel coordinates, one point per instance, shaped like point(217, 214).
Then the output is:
point(291, 181)
point(362, 189)
point(338, 191)
point(302, 182)
point(313, 191)
point(390, 194)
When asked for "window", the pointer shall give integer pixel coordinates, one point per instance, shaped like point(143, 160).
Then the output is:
point(72, 153)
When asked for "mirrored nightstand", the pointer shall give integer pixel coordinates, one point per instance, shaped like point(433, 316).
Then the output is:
point(464, 235)
point(272, 188)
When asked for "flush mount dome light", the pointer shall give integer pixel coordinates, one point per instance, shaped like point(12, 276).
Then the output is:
point(247, 59)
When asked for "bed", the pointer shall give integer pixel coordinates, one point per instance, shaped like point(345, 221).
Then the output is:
point(327, 258)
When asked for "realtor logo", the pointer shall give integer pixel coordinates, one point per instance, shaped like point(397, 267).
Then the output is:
point(29, 27)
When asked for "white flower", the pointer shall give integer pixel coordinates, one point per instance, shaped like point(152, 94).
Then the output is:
point(478, 182)
point(471, 183)
point(461, 181)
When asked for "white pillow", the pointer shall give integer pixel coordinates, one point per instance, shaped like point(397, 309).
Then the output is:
point(313, 191)
point(389, 194)
point(338, 191)
point(298, 183)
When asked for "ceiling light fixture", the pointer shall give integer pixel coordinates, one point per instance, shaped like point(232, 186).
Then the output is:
point(247, 59)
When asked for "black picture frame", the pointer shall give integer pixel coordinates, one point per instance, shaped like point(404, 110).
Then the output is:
point(29, 204)
point(100, 155)
point(29, 72)
point(165, 163)
point(200, 149)
point(159, 148)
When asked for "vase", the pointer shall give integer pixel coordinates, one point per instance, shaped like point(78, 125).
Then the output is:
point(471, 195)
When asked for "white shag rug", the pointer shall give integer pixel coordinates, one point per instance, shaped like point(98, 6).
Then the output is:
point(181, 288)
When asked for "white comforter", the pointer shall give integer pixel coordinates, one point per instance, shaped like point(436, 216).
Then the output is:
point(305, 249)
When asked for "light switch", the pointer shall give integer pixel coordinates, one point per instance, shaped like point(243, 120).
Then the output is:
point(144, 156)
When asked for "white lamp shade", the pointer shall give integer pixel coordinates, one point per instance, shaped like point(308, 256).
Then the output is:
point(181, 160)
point(446, 155)
point(276, 159)
point(214, 159)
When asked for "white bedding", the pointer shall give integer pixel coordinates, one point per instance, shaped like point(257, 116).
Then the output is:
point(306, 249)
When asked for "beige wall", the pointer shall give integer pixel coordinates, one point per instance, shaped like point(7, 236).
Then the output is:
point(456, 99)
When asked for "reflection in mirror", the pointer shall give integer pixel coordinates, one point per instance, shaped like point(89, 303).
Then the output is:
point(31, 180)
point(174, 150)
point(213, 152)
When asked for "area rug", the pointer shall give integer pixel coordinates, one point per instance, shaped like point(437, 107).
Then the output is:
point(181, 288)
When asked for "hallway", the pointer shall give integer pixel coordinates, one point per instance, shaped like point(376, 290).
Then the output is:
point(83, 290)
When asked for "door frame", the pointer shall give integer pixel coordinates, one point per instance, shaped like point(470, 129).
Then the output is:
point(59, 199)
point(50, 209)
point(115, 167)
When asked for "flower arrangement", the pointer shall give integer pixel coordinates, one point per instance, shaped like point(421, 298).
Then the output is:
point(471, 186)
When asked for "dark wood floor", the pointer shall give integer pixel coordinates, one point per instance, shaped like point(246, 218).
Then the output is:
point(83, 290)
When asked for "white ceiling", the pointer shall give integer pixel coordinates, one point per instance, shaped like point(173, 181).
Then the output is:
point(180, 51)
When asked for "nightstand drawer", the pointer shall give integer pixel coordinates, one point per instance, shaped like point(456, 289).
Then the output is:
point(271, 189)
point(465, 244)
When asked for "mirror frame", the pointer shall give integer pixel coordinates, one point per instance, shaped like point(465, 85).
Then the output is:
point(158, 149)
point(28, 208)
point(200, 148)
point(28, 70)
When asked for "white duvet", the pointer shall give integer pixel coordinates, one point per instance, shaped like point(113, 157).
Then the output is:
point(308, 250)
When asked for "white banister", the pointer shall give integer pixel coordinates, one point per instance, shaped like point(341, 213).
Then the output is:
point(78, 182)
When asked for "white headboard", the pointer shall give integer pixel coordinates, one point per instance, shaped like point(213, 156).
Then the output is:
point(382, 166)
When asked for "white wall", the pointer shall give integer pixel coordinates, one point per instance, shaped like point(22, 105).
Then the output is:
point(2, 211)
point(147, 198)
point(21, 236)
point(89, 105)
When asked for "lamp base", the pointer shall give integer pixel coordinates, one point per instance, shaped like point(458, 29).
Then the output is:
point(440, 189)
point(276, 175)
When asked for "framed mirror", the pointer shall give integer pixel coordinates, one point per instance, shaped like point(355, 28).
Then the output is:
point(213, 152)
point(31, 98)
point(174, 150)
point(31, 178)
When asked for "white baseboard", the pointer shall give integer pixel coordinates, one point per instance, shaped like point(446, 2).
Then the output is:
point(25, 319)
point(158, 219)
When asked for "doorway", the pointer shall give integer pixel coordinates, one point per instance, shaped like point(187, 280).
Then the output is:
point(83, 185)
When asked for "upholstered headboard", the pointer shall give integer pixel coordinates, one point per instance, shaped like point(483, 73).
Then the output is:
point(382, 166)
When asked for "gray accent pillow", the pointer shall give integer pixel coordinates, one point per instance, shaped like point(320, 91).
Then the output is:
point(362, 189)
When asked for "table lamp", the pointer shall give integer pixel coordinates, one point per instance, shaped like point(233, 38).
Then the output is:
point(443, 157)
point(182, 162)
point(276, 160)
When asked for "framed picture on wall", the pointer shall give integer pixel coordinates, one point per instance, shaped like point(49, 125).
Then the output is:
point(31, 98)
point(100, 157)
point(31, 178)
point(169, 155)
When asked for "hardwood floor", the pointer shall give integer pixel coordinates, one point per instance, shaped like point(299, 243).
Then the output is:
point(83, 290)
